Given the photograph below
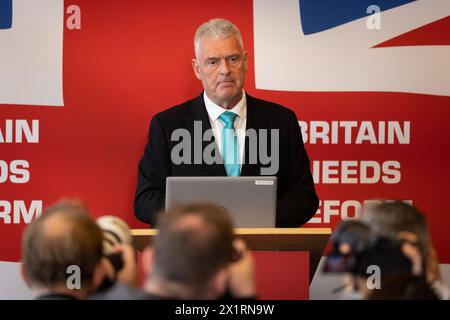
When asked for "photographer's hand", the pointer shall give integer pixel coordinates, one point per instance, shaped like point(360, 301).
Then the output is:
point(432, 265)
point(129, 272)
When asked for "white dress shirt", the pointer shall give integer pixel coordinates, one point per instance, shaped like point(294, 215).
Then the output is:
point(214, 112)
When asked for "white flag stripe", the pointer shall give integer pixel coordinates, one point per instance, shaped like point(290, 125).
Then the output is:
point(342, 58)
point(31, 54)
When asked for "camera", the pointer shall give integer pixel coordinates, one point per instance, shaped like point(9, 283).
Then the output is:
point(355, 248)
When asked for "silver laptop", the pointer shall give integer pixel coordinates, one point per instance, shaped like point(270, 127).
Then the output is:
point(250, 201)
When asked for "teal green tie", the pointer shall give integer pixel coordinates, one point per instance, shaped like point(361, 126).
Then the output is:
point(230, 153)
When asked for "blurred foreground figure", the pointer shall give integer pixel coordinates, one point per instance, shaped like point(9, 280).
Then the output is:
point(195, 256)
point(387, 255)
point(63, 255)
point(401, 222)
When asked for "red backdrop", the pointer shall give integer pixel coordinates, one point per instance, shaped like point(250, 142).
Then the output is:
point(131, 59)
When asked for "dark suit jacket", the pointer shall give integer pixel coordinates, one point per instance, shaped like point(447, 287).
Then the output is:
point(297, 200)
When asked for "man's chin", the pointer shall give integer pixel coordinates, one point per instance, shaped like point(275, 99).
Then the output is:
point(229, 93)
point(230, 101)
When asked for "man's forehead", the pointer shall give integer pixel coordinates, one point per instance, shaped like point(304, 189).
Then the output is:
point(212, 47)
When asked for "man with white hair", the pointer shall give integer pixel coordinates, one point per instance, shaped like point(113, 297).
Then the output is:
point(228, 114)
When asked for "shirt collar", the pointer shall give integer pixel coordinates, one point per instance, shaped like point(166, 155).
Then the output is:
point(214, 110)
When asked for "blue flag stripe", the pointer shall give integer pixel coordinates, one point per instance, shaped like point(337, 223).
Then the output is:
point(317, 16)
point(5, 14)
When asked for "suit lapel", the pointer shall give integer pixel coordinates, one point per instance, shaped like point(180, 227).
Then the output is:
point(253, 120)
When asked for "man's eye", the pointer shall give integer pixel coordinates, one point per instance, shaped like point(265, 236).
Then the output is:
point(233, 60)
point(211, 62)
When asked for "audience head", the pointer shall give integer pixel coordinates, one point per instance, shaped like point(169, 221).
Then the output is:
point(63, 236)
point(399, 220)
point(396, 242)
point(192, 251)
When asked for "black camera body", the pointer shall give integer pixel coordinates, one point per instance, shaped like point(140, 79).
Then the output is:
point(116, 260)
point(356, 248)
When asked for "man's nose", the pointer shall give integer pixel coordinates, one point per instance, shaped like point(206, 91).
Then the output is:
point(224, 68)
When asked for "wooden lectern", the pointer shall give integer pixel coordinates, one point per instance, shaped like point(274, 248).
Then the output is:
point(312, 240)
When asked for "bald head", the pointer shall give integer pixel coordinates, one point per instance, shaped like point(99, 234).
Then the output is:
point(64, 235)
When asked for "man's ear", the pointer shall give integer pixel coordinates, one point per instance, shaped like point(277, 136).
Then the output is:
point(246, 60)
point(219, 283)
point(101, 272)
point(147, 260)
point(24, 275)
point(195, 67)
